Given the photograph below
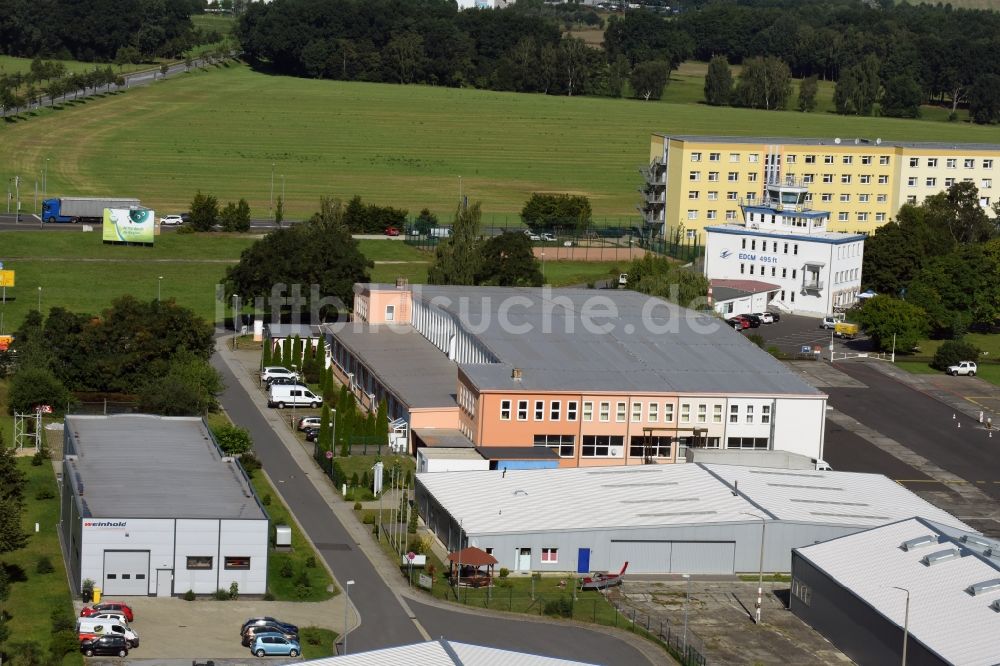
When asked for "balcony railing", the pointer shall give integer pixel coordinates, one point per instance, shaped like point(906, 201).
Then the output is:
point(812, 285)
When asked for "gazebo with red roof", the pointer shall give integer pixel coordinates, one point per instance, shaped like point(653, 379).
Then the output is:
point(475, 559)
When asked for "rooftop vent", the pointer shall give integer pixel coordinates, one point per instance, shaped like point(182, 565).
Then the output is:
point(520, 492)
point(973, 540)
point(996, 605)
point(919, 542)
point(931, 559)
point(516, 374)
point(982, 588)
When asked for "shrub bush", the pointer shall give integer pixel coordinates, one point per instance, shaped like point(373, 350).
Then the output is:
point(234, 590)
point(266, 499)
point(41, 456)
point(44, 565)
point(45, 493)
point(188, 596)
point(302, 580)
point(311, 635)
point(953, 352)
point(310, 562)
point(303, 591)
point(369, 518)
point(61, 619)
point(287, 570)
point(268, 596)
point(504, 572)
point(357, 506)
point(221, 595)
point(561, 607)
point(63, 642)
point(250, 463)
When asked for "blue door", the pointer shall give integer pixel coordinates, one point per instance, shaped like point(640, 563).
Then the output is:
point(583, 561)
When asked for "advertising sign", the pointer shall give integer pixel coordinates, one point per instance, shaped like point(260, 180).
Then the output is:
point(6, 278)
point(5, 342)
point(125, 225)
point(425, 582)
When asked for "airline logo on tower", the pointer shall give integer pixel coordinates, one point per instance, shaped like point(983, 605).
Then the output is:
point(105, 523)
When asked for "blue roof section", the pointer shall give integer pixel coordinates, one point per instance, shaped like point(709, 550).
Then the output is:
point(789, 212)
point(829, 237)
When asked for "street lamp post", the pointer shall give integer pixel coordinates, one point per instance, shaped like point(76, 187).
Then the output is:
point(45, 179)
point(159, 281)
point(271, 205)
point(39, 300)
point(543, 266)
point(687, 595)
point(347, 604)
point(760, 579)
point(906, 620)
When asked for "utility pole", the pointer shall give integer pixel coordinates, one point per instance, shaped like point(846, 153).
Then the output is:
point(271, 205)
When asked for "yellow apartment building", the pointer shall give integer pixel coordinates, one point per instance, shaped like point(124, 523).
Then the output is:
point(696, 181)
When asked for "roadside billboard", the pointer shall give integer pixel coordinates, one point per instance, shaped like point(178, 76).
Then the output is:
point(128, 225)
point(6, 278)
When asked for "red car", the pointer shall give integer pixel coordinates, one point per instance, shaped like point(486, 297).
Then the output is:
point(739, 322)
point(391, 231)
point(108, 607)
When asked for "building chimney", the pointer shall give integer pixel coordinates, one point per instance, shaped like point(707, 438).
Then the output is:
point(515, 374)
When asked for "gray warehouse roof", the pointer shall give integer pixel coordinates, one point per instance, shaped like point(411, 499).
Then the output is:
point(606, 340)
point(145, 466)
point(419, 373)
point(548, 500)
point(441, 652)
point(949, 614)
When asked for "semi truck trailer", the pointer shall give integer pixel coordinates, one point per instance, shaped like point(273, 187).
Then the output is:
point(82, 209)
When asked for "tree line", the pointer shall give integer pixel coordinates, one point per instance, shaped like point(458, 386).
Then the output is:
point(50, 79)
point(936, 269)
point(887, 54)
point(96, 30)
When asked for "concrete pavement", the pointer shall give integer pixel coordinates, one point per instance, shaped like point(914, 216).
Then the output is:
point(391, 614)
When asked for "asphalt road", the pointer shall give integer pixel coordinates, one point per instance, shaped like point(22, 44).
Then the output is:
point(918, 421)
point(384, 623)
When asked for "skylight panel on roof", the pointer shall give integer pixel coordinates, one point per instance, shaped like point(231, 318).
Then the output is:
point(849, 515)
point(771, 473)
point(812, 501)
point(992, 585)
point(792, 485)
point(677, 513)
point(919, 542)
point(930, 559)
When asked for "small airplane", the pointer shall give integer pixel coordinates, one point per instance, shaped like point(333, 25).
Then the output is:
point(600, 581)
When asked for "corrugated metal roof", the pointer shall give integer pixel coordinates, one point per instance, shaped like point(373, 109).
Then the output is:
point(659, 495)
point(846, 142)
point(605, 340)
point(442, 653)
point(145, 466)
point(960, 627)
point(279, 330)
point(450, 453)
point(841, 498)
point(414, 369)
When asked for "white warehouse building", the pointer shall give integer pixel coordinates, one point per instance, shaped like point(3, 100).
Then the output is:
point(782, 241)
point(152, 507)
point(693, 518)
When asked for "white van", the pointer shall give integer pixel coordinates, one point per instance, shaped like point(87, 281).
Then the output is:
point(279, 395)
point(88, 627)
point(440, 232)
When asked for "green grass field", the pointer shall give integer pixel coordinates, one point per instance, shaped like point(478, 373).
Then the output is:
point(401, 145)
point(987, 342)
point(12, 65)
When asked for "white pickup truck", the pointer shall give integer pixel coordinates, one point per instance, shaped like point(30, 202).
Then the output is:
point(963, 368)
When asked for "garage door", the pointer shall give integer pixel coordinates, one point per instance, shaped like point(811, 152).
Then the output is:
point(703, 558)
point(698, 557)
point(126, 572)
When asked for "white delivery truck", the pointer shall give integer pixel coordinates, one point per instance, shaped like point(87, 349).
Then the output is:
point(279, 395)
point(88, 628)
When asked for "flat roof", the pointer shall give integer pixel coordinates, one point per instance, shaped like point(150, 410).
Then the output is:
point(443, 453)
point(279, 330)
point(517, 453)
point(594, 340)
point(593, 498)
point(845, 142)
point(958, 626)
point(442, 652)
point(443, 437)
point(723, 289)
point(147, 466)
point(404, 361)
point(827, 237)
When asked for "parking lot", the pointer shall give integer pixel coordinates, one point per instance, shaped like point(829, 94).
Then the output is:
point(171, 628)
point(795, 332)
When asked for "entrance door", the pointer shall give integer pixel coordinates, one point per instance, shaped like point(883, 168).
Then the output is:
point(164, 582)
point(523, 560)
point(125, 572)
point(583, 561)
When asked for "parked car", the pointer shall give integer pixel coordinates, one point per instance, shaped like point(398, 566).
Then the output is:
point(312, 434)
point(110, 616)
point(775, 316)
point(275, 371)
point(281, 380)
point(275, 645)
point(391, 231)
point(109, 607)
point(739, 322)
point(828, 323)
point(754, 320)
point(171, 220)
point(532, 235)
point(549, 237)
point(113, 644)
point(254, 630)
point(765, 317)
point(309, 422)
point(967, 368)
point(822, 465)
point(266, 619)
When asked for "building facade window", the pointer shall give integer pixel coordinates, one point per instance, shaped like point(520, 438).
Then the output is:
point(550, 555)
point(237, 563)
point(703, 412)
point(668, 412)
point(199, 562)
point(605, 411)
point(539, 410)
point(390, 312)
point(827, 177)
point(694, 176)
point(571, 410)
point(620, 412)
point(951, 163)
point(734, 413)
point(650, 447)
point(693, 194)
point(765, 414)
point(883, 160)
point(717, 409)
point(749, 413)
point(914, 162)
point(505, 410)
point(747, 443)
point(932, 162)
point(564, 445)
point(654, 414)
point(555, 410)
point(593, 446)
point(522, 410)
point(636, 412)
point(685, 413)
point(696, 157)
point(588, 411)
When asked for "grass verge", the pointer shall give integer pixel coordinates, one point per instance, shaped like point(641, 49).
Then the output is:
point(33, 595)
point(288, 572)
point(316, 642)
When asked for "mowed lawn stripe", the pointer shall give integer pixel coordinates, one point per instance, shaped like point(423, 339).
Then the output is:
point(405, 146)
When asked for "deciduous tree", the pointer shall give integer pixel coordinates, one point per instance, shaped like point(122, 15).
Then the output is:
point(883, 317)
point(718, 81)
point(507, 260)
point(648, 79)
